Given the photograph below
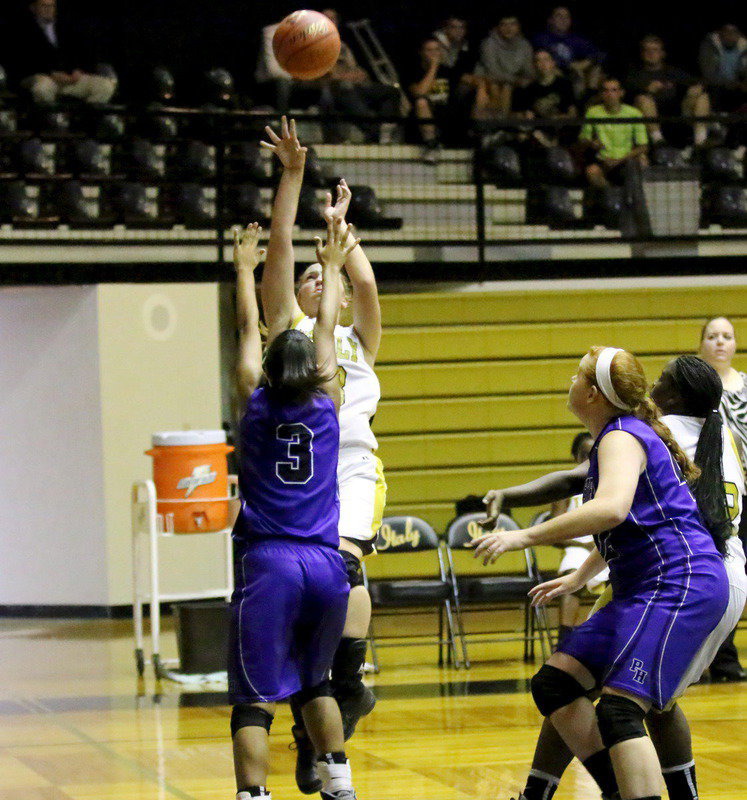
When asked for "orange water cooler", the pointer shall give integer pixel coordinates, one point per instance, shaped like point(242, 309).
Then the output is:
point(190, 473)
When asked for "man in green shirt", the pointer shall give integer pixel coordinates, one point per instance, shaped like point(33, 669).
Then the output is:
point(615, 144)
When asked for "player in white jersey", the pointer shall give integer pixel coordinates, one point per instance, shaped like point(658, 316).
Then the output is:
point(360, 476)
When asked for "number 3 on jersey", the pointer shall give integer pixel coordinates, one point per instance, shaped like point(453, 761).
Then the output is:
point(299, 468)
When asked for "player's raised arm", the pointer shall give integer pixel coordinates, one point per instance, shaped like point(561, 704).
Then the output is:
point(366, 308)
point(246, 257)
point(278, 298)
point(331, 256)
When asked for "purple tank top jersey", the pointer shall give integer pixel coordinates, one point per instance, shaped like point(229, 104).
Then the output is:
point(288, 475)
point(663, 534)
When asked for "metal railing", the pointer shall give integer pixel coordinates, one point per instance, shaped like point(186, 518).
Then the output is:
point(164, 177)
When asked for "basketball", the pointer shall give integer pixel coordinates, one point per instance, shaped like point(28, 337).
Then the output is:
point(306, 44)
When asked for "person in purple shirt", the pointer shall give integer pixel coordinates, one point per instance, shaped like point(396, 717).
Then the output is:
point(669, 582)
point(574, 54)
point(291, 589)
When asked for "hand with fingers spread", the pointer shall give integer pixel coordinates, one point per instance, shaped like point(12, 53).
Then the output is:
point(246, 255)
point(335, 251)
point(286, 146)
point(493, 506)
point(490, 546)
point(546, 592)
point(340, 208)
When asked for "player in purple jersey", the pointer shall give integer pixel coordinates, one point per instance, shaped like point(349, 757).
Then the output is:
point(667, 573)
point(688, 392)
point(288, 607)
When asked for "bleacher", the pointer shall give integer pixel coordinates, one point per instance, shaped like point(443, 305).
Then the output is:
point(475, 384)
point(165, 176)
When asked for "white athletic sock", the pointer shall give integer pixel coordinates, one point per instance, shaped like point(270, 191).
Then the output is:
point(335, 777)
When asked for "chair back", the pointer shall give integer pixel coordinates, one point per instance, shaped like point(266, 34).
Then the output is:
point(464, 529)
point(405, 535)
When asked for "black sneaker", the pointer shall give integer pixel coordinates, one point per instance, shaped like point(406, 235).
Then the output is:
point(343, 794)
point(353, 706)
point(307, 777)
point(728, 676)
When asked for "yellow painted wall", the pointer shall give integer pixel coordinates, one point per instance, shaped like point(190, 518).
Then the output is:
point(160, 370)
point(474, 384)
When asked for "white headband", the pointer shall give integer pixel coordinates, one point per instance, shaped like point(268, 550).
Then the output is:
point(604, 379)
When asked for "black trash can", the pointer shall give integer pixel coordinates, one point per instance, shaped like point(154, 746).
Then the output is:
point(202, 636)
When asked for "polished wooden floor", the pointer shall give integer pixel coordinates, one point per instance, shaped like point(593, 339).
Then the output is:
point(76, 724)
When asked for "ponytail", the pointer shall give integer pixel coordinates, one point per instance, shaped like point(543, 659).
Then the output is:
point(700, 388)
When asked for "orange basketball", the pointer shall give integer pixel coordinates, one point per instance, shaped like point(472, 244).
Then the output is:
point(306, 44)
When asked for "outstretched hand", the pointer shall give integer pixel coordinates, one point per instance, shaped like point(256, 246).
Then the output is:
point(286, 146)
point(493, 506)
point(334, 252)
point(490, 546)
point(341, 205)
point(546, 592)
point(245, 241)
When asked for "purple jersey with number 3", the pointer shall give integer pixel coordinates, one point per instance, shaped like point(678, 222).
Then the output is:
point(288, 478)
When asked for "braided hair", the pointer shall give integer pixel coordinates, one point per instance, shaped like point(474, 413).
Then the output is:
point(700, 388)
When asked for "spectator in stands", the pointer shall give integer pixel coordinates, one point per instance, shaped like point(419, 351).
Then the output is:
point(437, 104)
point(48, 61)
point(548, 96)
point(723, 64)
point(459, 58)
point(505, 64)
point(452, 36)
point(661, 89)
point(614, 145)
point(574, 54)
point(353, 92)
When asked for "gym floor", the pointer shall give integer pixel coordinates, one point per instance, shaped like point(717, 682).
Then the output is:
point(77, 724)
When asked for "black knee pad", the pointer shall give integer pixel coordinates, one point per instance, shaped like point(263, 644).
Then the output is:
point(248, 716)
point(619, 719)
point(553, 688)
point(353, 568)
point(323, 689)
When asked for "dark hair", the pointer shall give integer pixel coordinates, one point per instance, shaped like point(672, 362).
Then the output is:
point(291, 369)
point(710, 320)
point(612, 79)
point(700, 388)
point(578, 440)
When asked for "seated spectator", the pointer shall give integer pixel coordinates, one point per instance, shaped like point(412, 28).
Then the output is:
point(353, 92)
point(723, 64)
point(459, 58)
point(48, 62)
point(452, 36)
point(614, 145)
point(575, 55)
point(548, 96)
point(436, 100)
point(661, 89)
point(505, 64)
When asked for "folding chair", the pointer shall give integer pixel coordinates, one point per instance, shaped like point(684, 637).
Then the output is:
point(407, 545)
point(475, 585)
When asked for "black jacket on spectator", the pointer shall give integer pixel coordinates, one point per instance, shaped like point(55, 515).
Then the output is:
point(31, 52)
point(675, 82)
point(545, 100)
